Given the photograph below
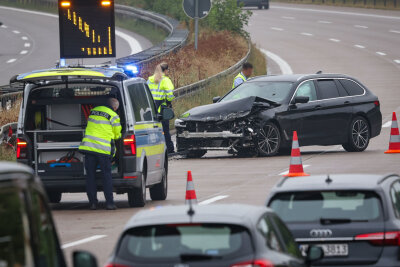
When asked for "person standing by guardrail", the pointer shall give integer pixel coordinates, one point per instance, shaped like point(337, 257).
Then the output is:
point(162, 89)
point(247, 71)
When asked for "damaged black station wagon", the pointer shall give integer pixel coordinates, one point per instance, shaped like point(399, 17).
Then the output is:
point(260, 115)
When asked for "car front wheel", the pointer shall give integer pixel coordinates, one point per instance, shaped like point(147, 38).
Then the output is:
point(268, 140)
point(358, 135)
point(54, 197)
point(195, 154)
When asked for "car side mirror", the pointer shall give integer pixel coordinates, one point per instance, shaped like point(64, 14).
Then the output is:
point(300, 100)
point(166, 114)
point(216, 99)
point(314, 253)
point(84, 259)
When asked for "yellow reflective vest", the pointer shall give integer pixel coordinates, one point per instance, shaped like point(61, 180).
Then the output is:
point(103, 127)
point(162, 91)
point(239, 76)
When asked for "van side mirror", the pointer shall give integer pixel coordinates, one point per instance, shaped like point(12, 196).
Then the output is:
point(314, 253)
point(166, 114)
point(84, 259)
point(300, 100)
point(216, 99)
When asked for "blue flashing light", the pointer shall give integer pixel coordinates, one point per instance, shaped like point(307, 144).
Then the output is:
point(133, 69)
point(62, 62)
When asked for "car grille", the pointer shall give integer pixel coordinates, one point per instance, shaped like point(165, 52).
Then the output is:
point(207, 127)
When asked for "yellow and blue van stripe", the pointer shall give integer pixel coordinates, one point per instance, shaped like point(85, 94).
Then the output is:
point(149, 139)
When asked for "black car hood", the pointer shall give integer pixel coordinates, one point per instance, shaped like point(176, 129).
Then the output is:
point(228, 110)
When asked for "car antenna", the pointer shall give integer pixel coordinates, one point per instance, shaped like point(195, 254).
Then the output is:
point(328, 180)
point(190, 212)
point(319, 72)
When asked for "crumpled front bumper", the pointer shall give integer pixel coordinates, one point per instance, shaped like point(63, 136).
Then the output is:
point(217, 135)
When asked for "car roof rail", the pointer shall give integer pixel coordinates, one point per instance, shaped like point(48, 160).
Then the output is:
point(282, 181)
point(387, 176)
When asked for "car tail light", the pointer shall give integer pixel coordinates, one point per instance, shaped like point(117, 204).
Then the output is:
point(377, 103)
point(255, 263)
point(115, 265)
point(381, 239)
point(22, 149)
point(130, 145)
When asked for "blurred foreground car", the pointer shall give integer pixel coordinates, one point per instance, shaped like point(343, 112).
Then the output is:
point(27, 232)
point(354, 218)
point(261, 114)
point(215, 235)
point(257, 3)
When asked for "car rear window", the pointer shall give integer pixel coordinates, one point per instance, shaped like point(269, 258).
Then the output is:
point(312, 206)
point(163, 243)
point(352, 87)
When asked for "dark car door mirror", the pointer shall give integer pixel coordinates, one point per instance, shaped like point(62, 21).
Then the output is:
point(166, 114)
point(84, 259)
point(300, 100)
point(314, 253)
point(216, 99)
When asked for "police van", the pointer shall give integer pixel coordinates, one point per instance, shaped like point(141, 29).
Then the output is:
point(53, 117)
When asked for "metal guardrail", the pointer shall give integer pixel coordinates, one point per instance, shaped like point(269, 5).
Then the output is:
point(366, 3)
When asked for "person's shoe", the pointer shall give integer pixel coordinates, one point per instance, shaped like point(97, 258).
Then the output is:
point(111, 207)
point(93, 206)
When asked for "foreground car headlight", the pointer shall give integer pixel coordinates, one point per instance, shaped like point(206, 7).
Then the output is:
point(180, 123)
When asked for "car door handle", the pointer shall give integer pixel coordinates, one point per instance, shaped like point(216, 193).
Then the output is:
point(155, 126)
point(318, 107)
point(347, 102)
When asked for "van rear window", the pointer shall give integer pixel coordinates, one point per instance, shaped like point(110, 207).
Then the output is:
point(73, 90)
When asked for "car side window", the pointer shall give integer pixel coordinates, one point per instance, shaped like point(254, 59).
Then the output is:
point(291, 246)
point(271, 236)
point(327, 89)
point(151, 101)
point(47, 249)
point(140, 104)
point(352, 87)
point(307, 89)
point(395, 197)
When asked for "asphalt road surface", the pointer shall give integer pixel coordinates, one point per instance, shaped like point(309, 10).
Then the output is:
point(29, 41)
point(303, 39)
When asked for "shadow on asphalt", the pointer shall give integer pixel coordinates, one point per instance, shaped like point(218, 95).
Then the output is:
point(84, 205)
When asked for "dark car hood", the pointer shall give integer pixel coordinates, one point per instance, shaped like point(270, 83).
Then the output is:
point(228, 110)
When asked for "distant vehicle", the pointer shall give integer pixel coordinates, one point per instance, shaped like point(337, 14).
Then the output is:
point(257, 3)
point(28, 235)
point(354, 218)
point(57, 103)
point(215, 235)
point(261, 114)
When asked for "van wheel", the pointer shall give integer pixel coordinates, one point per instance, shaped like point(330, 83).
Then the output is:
point(160, 190)
point(358, 135)
point(137, 196)
point(54, 197)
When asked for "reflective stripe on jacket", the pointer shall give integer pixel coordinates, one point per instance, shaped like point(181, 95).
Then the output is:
point(239, 79)
point(163, 91)
point(103, 127)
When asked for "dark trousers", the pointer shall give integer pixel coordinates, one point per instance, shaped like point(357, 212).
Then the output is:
point(91, 163)
point(167, 135)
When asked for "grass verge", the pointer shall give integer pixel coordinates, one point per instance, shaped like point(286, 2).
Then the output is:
point(378, 4)
point(7, 153)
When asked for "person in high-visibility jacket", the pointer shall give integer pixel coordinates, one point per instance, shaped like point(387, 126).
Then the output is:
point(98, 146)
point(162, 89)
point(247, 71)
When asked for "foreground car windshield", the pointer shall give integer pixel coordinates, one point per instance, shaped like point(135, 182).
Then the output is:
point(274, 91)
point(332, 206)
point(184, 242)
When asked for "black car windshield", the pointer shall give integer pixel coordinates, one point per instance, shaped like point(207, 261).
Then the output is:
point(327, 207)
point(184, 242)
point(274, 91)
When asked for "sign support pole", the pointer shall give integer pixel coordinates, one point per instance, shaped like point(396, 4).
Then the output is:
point(196, 23)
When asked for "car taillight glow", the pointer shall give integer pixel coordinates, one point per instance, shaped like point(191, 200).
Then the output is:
point(255, 263)
point(130, 145)
point(381, 238)
point(115, 265)
point(22, 151)
point(377, 103)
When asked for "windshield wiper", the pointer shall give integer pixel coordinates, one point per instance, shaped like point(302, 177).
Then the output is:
point(338, 220)
point(197, 257)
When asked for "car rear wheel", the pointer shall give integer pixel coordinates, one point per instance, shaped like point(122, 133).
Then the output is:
point(137, 196)
point(195, 154)
point(54, 197)
point(159, 191)
point(268, 140)
point(358, 136)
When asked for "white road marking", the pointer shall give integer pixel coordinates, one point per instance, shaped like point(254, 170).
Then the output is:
point(4, 26)
point(23, 52)
point(397, 61)
point(284, 17)
point(381, 53)
point(283, 65)
point(387, 124)
point(307, 34)
point(16, 32)
point(359, 46)
point(324, 22)
point(27, 45)
point(334, 40)
point(24, 38)
point(394, 31)
point(361, 26)
point(276, 29)
point(134, 45)
point(211, 200)
point(82, 241)
point(286, 172)
point(11, 60)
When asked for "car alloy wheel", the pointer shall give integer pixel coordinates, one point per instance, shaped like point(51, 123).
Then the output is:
point(360, 133)
point(268, 140)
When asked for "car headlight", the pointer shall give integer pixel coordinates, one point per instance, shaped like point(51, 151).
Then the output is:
point(180, 123)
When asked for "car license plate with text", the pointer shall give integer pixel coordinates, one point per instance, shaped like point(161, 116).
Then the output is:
point(330, 250)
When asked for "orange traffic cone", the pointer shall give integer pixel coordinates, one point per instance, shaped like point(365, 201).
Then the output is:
point(190, 192)
point(394, 142)
point(296, 166)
